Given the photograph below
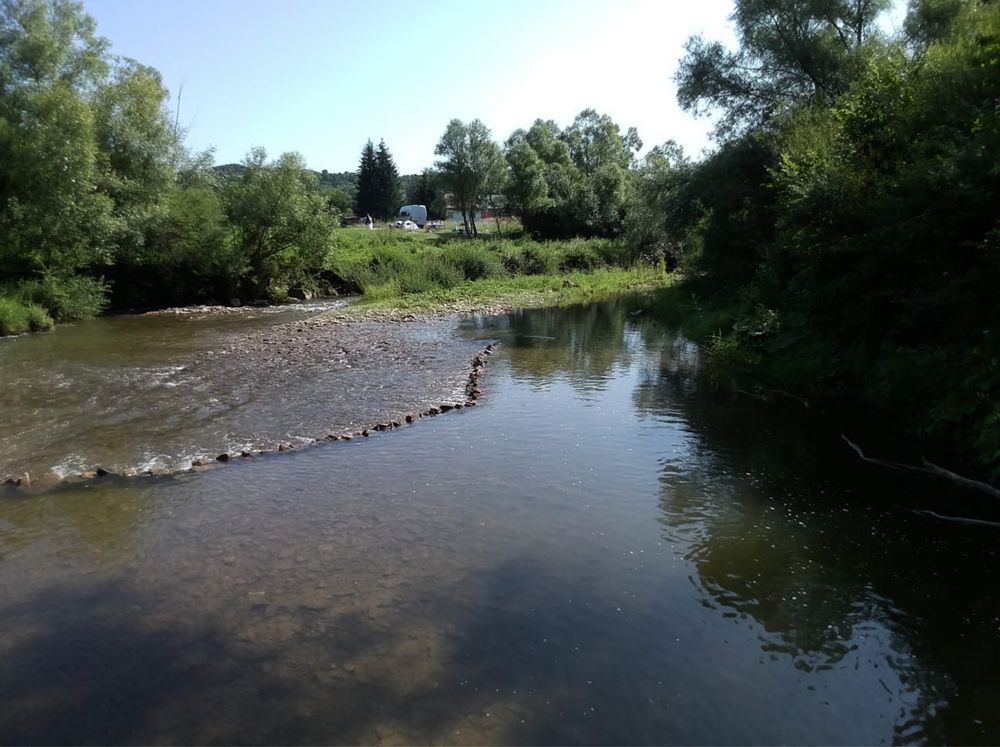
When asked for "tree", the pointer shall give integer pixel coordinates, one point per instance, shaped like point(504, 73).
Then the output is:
point(426, 191)
point(366, 201)
point(572, 182)
point(471, 166)
point(54, 221)
point(789, 51)
point(661, 213)
point(928, 21)
point(137, 149)
point(386, 184)
point(281, 222)
point(378, 182)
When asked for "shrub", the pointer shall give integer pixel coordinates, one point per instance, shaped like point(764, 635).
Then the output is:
point(18, 316)
point(580, 256)
point(474, 261)
point(530, 259)
point(71, 297)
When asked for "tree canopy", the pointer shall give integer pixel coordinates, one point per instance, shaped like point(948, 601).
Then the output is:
point(471, 167)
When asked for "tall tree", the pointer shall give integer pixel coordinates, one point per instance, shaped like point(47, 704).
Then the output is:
point(789, 50)
point(137, 153)
point(471, 166)
point(281, 220)
point(386, 183)
point(53, 218)
point(366, 200)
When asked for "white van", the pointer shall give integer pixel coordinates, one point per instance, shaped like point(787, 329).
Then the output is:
point(416, 213)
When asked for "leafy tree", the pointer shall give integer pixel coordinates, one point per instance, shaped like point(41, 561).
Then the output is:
point(137, 152)
point(280, 220)
point(471, 167)
point(789, 51)
point(338, 200)
point(572, 182)
point(661, 212)
point(53, 219)
point(928, 21)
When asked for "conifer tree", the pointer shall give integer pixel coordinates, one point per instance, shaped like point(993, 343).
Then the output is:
point(386, 184)
point(367, 200)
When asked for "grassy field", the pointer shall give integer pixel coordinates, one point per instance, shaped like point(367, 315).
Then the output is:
point(422, 271)
point(507, 294)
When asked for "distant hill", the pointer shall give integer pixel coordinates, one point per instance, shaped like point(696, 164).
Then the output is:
point(345, 180)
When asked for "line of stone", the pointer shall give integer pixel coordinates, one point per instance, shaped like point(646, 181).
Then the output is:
point(473, 391)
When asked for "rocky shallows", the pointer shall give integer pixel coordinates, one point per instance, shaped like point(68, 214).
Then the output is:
point(263, 391)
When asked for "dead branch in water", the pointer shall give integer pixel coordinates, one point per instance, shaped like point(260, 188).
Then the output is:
point(960, 480)
point(929, 468)
point(959, 519)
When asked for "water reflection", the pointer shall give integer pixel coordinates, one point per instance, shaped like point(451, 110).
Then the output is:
point(786, 529)
point(582, 344)
point(606, 551)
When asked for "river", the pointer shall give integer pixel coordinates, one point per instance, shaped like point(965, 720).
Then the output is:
point(609, 549)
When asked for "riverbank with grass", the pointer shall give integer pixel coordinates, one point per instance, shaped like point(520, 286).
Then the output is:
point(401, 273)
point(498, 296)
point(18, 316)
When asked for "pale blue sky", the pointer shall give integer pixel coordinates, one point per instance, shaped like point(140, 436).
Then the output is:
point(321, 77)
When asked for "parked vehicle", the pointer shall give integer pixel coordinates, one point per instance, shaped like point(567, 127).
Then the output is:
point(416, 213)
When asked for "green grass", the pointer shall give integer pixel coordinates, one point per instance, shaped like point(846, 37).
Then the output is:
point(393, 269)
point(525, 291)
point(18, 316)
point(388, 264)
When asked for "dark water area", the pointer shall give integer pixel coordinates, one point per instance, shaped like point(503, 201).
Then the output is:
point(608, 550)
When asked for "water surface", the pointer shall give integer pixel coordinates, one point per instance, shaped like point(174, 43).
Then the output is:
point(607, 550)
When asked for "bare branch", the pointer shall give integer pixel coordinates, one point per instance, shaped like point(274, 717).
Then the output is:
point(960, 519)
point(960, 480)
point(929, 468)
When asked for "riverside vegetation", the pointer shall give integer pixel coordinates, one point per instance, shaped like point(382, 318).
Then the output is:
point(839, 243)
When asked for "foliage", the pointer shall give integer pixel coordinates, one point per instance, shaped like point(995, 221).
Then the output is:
point(18, 316)
point(789, 51)
point(851, 239)
point(522, 291)
point(571, 182)
point(378, 192)
point(391, 263)
point(67, 297)
point(426, 190)
point(471, 167)
point(281, 224)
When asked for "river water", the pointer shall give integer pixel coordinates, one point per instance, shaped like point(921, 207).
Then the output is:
point(609, 549)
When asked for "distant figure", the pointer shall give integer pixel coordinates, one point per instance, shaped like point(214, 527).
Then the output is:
point(369, 222)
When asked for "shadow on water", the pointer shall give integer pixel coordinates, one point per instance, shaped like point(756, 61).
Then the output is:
point(94, 670)
point(102, 663)
point(786, 527)
point(606, 552)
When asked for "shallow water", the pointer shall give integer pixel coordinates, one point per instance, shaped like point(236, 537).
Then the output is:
point(607, 550)
point(155, 392)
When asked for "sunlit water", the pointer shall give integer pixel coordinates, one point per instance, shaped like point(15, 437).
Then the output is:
point(607, 550)
point(155, 392)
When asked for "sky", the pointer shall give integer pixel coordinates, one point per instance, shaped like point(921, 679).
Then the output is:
point(322, 76)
